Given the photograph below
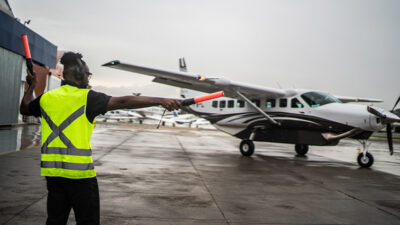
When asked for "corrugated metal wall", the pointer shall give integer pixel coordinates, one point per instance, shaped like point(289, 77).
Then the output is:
point(10, 83)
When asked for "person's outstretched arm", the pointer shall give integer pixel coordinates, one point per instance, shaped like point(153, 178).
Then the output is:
point(133, 102)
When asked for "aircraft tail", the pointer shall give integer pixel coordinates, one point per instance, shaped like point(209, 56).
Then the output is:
point(182, 65)
point(187, 93)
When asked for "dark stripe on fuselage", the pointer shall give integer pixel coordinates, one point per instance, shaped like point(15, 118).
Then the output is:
point(309, 122)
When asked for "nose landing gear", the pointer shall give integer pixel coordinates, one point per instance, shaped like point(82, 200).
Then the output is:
point(365, 159)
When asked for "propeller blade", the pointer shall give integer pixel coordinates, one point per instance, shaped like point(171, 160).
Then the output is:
point(375, 112)
point(397, 102)
point(389, 137)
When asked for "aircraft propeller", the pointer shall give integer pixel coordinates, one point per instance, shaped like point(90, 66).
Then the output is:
point(389, 127)
point(388, 120)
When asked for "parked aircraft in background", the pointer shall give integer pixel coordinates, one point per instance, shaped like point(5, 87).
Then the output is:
point(121, 115)
point(256, 113)
point(156, 113)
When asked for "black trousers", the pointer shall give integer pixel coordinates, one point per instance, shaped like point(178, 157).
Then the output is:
point(82, 195)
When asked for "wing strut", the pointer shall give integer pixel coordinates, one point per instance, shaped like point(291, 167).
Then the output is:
point(258, 109)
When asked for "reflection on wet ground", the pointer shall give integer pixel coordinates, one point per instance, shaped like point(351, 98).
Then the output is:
point(19, 138)
point(28, 136)
point(192, 176)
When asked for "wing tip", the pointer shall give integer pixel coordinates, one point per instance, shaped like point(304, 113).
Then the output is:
point(112, 63)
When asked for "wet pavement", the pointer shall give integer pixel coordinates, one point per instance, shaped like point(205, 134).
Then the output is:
point(192, 176)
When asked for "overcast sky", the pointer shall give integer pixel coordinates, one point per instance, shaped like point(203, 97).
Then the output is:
point(344, 47)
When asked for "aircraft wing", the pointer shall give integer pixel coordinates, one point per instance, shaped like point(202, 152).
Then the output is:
point(201, 83)
point(345, 99)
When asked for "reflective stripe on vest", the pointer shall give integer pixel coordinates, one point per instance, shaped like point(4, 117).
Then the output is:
point(67, 165)
point(71, 150)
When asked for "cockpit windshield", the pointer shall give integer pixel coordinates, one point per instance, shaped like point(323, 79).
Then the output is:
point(315, 99)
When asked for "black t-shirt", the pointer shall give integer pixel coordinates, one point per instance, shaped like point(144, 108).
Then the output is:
point(96, 104)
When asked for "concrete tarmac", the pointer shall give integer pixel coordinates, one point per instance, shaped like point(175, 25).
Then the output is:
point(178, 176)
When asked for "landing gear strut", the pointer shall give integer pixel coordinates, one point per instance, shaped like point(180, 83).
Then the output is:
point(301, 149)
point(247, 147)
point(365, 159)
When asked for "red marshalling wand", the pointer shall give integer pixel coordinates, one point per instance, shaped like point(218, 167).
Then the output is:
point(191, 101)
point(29, 63)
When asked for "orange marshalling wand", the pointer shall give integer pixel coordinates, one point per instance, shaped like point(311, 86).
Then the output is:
point(191, 101)
point(28, 57)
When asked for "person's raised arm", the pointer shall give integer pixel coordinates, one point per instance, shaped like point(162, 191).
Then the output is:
point(24, 107)
point(133, 102)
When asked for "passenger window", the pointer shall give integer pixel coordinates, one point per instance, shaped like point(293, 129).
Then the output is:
point(283, 102)
point(296, 103)
point(222, 104)
point(215, 104)
point(256, 102)
point(270, 103)
point(231, 103)
point(240, 104)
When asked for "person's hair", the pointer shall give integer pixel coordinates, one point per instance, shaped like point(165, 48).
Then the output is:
point(70, 61)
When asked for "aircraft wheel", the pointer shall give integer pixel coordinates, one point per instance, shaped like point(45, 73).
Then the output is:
point(247, 147)
point(301, 149)
point(366, 161)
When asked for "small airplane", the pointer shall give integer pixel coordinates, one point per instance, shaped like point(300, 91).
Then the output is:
point(294, 116)
point(119, 115)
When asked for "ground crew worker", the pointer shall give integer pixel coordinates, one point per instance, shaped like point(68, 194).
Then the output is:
point(67, 115)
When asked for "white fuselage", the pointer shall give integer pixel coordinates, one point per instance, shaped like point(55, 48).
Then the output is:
point(232, 115)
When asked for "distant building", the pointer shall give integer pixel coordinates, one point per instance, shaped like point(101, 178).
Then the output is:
point(13, 67)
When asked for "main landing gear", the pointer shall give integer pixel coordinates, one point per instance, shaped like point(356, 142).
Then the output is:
point(365, 159)
point(301, 149)
point(247, 147)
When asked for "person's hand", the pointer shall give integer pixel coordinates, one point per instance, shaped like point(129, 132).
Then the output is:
point(170, 104)
point(31, 78)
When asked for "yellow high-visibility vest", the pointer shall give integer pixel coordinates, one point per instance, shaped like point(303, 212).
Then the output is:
point(66, 132)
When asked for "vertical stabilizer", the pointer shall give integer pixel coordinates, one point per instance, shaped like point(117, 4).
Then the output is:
point(182, 65)
point(187, 93)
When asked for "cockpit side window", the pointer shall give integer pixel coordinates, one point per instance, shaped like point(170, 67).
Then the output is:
point(215, 104)
point(296, 103)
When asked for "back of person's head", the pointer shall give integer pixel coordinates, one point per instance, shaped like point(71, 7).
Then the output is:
point(73, 64)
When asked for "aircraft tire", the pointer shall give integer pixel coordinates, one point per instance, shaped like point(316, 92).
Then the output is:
point(367, 162)
point(301, 149)
point(247, 147)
